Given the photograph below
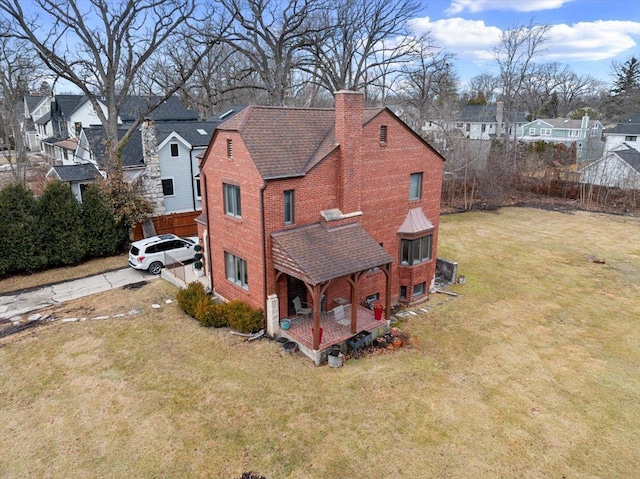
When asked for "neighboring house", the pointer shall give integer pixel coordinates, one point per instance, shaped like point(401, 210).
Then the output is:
point(626, 132)
point(35, 107)
point(619, 168)
point(323, 205)
point(584, 134)
point(78, 176)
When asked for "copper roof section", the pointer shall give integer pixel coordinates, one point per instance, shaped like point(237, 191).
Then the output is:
point(68, 144)
point(286, 142)
point(316, 254)
point(415, 222)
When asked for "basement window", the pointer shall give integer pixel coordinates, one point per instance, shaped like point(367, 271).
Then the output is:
point(383, 134)
point(419, 289)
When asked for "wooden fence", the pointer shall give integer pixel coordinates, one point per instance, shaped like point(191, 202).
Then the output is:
point(180, 224)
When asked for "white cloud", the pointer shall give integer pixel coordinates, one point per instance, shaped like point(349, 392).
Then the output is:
point(473, 40)
point(475, 6)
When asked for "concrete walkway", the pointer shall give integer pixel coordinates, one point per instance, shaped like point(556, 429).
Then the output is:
point(13, 305)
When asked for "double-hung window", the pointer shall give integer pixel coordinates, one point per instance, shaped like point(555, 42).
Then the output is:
point(236, 270)
point(232, 204)
point(415, 251)
point(415, 186)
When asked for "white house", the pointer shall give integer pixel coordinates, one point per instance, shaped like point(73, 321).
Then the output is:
point(619, 168)
point(626, 132)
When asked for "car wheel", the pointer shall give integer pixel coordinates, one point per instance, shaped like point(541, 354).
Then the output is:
point(155, 268)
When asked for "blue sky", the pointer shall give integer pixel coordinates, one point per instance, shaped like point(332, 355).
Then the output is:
point(586, 34)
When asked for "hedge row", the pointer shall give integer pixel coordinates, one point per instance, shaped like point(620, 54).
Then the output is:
point(234, 314)
point(54, 229)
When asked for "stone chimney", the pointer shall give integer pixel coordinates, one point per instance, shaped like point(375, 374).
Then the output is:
point(499, 118)
point(348, 126)
point(151, 179)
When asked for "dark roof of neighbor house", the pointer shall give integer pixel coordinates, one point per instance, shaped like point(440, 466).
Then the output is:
point(71, 173)
point(323, 253)
point(629, 127)
point(226, 113)
point(196, 133)
point(484, 114)
point(68, 104)
point(631, 156)
point(33, 101)
point(44, 118)
point(131, 154)
point(172, 109)
point(286, 142)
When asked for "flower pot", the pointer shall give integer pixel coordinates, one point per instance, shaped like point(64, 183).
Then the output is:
point(285, 324)
point(394, 332)
point(397, 342)
point(335, 361)
point(377, 311)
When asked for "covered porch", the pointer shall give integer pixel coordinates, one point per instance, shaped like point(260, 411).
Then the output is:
point(319, 257)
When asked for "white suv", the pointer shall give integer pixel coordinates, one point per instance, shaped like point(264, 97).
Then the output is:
point(155, 252)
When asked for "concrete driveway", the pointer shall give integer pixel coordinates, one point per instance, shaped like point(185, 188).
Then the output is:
point(14, 305)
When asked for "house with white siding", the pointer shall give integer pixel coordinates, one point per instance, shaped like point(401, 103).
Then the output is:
point(627, 132)
point(619, 168)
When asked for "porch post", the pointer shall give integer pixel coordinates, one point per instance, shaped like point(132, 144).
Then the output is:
point(355, 294)
point(315, 294)
point(387, 295)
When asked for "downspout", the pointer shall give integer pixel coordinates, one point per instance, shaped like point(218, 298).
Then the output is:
point(264, 254)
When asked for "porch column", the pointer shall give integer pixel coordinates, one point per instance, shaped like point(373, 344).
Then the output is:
point(387, 296)
point(315, 294)
point(355, 294)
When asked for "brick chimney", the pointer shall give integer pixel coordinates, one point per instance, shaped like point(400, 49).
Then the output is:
point(348, 111)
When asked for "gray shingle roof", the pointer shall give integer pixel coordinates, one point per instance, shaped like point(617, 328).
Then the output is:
point(319, 254)
point(629, 127)
point(131, 154)
point(191, 131)
point(33, 101)
point(483, 114)
point(630, 156)
point(171, 109)
point(69, 173)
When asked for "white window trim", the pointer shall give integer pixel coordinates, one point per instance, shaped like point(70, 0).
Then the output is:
point(173, 184)
point(171, 149)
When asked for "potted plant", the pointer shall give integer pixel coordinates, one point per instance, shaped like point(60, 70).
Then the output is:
point(377, 311)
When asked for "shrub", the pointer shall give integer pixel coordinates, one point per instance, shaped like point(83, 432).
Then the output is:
point(211, 313)
point(189, 297)
point(243, 318)
point(103, 235)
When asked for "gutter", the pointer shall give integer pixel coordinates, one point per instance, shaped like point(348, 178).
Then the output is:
point(193, 193)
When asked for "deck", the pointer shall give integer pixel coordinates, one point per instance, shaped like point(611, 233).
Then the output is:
point(333, 333)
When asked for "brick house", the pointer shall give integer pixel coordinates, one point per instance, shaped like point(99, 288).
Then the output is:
point(326, 205)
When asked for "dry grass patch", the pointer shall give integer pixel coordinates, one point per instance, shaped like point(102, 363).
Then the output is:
point(57, 275)
point(530, 372)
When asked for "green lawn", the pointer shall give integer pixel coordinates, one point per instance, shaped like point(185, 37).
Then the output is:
point(532, 371)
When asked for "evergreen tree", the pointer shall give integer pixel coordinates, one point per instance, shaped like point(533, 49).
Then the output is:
point(627, 77)
point(64, 241)
point(104, 236)
point(19, 231)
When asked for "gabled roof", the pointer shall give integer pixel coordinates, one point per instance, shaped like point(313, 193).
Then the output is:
point(286, 142)
point(172, 109)
point(560, 123)
point(484, 114)
point(44, 119)
point(631, 156)
point(196, 133)
point(131, 154)
point(32, 101)
point(69, 173)
point(629, 127)
point(68, 104)
point(317, 254)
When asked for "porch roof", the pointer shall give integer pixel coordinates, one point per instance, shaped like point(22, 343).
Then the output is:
point(316, 254)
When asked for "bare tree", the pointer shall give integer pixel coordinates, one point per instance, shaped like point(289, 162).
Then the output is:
point(102, 47)
point(363, 35)
point(539, 85)
point(272, 36)
point(514, 55)
point(574, 90)
point(486, 83)
point(20, 71)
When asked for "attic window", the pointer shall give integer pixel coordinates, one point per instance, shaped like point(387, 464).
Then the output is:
point(229, 148)
point(201, 131)
point(383, 134)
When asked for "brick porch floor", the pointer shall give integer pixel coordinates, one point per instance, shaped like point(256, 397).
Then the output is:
point(333, 333)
